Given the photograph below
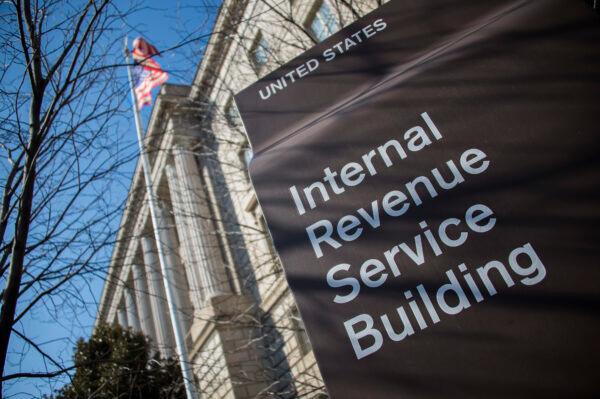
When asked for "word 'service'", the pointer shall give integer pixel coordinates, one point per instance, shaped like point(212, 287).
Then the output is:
point(478, 219)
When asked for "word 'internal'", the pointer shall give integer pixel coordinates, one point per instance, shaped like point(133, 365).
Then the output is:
point(354, 173)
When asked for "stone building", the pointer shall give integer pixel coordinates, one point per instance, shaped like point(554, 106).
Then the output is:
point(244, 335)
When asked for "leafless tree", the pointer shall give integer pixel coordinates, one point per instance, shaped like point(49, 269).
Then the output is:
point(60, 102)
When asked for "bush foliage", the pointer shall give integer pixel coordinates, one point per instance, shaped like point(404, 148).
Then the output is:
point(117, 363)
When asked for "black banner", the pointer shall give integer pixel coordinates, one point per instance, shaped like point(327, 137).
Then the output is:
point(430, 178)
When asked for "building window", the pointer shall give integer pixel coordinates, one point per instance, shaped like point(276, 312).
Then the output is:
point(261, 225)
point(232, 114)
point(246, 154)
point(323, 23)
point(259, 53)
point(304, 345)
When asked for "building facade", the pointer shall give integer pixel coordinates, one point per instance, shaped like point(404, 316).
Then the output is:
point(244, 335)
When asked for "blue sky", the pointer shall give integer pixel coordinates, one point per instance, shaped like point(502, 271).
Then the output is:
point(164, 24)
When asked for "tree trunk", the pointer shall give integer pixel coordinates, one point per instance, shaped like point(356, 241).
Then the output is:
point(18, 250)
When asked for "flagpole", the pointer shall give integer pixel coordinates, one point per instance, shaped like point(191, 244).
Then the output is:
point(184, 362)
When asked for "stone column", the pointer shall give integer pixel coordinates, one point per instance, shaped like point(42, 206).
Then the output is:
point(158, 305)
point(191, 265)
point(142, 301)
point(130, 307)
point(122, 317)
point(202, 240)
point(173, 267)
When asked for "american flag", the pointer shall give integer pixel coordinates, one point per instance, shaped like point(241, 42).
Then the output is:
point(147, 73)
